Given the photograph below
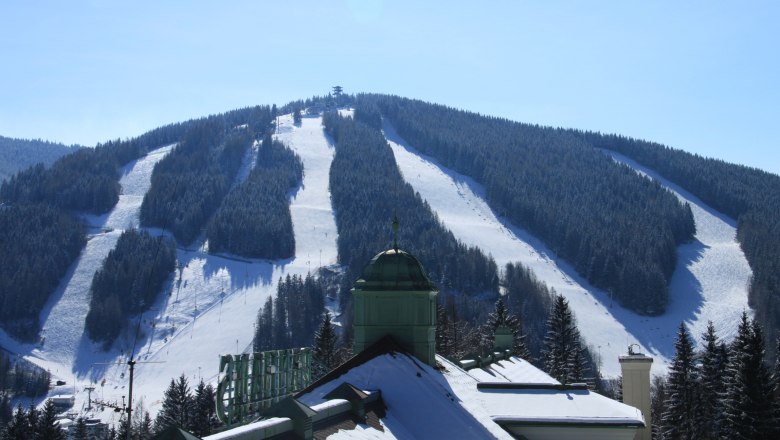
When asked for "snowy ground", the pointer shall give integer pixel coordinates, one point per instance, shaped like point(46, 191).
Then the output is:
point(710, 282)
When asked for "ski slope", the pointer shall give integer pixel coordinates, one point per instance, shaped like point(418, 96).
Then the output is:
point(207, 308)
point(209, 305)
point(710, 282)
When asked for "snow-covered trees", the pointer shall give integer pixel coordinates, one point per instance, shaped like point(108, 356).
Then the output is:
point(563, 354)
point(502, 318)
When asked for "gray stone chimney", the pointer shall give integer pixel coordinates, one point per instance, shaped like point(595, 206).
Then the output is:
point(636, 387)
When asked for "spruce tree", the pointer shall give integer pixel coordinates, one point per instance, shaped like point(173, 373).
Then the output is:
point(19, 428)
point(710, 385)
point(562, 344)
point(747, 404)
point(324, 352)
point(499, 317)
point(679, 416)
point(203, 410)
point(176, 407)
point(444, 340)
point(80, 433)
point(48, 428)
point(145, 429)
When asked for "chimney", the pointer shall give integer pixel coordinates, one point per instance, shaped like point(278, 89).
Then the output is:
point(636, 387)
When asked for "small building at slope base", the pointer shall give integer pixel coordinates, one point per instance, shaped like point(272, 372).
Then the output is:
point(396, 387)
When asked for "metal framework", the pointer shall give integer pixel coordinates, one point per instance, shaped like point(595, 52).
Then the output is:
point(250, 383)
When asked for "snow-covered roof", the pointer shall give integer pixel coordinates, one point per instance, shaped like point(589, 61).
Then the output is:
point(514, 369)
point(424, 402)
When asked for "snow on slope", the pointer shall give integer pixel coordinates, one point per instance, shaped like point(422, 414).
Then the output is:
point(207, 308)
point(210, 322)
point(63, 340)
point(709, 282)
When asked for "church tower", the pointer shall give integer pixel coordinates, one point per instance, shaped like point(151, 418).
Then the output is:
point(394, 297)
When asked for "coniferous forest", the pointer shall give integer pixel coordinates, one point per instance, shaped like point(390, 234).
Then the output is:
point(38, 243)
point(189, 184)
point(748, 195)
point(368, 191)
point(291, 318)
point(19, 154)
point(619, 230)
point(128, 282)
point(254, 219)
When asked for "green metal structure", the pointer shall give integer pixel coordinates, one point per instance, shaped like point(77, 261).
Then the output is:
point(250, 383)
point(394, 296)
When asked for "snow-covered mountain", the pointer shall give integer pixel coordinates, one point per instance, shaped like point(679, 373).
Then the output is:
point(210, 305)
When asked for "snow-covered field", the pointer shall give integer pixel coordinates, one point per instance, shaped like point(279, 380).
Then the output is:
point(710, 282)
point(210, 304)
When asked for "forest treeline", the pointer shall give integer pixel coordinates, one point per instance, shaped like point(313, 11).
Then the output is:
point(290, 318)
point(19, 154)
point(749, 195)
point(367, 191)
point(254, 219)
point(189, 184)
point(37, 245)
point(619, 230)
point(128, 282)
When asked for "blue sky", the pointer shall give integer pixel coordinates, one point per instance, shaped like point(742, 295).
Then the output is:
point(697, 75)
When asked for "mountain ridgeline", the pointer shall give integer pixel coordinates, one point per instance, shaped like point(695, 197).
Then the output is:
point(619, 230)
point(19, 154)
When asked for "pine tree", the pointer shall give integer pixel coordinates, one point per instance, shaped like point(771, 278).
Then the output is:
point(203, 410)
point(145, 429)
point(776, 385)
point(111, 434)
point(176, 407)
point(747, 404)
point(710, 386)
point(33, 416)
point(562, 345)
point(499, 317)
point(519, 345)
point(19, 428)
point(324, 352)
point(48, 428)
point(124, 427)
point(264, 329)
point(80, 433)
point(679, 416)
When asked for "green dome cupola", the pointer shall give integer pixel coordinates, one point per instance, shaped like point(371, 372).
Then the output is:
point(395, 297)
